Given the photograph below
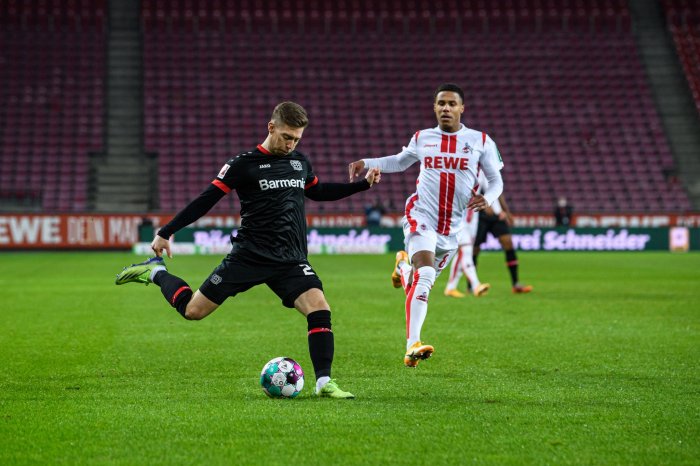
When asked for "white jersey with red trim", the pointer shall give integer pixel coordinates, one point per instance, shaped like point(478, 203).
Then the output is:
point(450, 165)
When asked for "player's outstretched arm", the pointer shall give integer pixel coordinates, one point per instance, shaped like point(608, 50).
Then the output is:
point(191, 213)
point(388, 164)
point(336, 191)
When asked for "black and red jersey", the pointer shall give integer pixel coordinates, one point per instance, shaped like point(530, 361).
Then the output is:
point(271, 190)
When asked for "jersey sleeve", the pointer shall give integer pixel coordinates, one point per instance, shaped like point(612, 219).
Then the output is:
point(491, 163)
point(227, 178)
point(491, 151)
point(398, 162)
point(311, 178)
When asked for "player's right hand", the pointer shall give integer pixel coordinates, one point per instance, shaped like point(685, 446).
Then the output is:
point(477, 203)
point(159, 245)
point(355, 168)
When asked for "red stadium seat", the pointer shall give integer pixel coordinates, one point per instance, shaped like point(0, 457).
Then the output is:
point(52, 65)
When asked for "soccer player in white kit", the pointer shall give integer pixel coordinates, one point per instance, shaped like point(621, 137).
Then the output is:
point(463, 262)
point(451, 156)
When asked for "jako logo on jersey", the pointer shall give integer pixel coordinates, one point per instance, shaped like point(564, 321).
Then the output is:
point(223, 171)
point(296, 164)
point(440, 161)
point(467, 148)
point(422, 297)
point(275, 184)
point(265, 165)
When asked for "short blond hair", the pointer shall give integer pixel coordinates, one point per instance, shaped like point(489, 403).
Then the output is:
point(290, 114)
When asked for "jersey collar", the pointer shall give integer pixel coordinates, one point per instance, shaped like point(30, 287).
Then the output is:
point(263, 150)
point(461, 127)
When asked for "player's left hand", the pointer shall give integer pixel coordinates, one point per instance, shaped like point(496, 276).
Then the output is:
point(477, 202)
point(373, 176)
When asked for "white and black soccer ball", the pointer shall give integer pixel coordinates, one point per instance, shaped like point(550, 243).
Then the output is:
point(282, 378)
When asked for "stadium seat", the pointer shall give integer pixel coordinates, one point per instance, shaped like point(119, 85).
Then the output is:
point(52, 64)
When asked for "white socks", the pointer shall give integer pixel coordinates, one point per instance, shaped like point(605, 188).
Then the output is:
point(455, 271)
point(463, 263)
point(467, 265)
point(321, 382)
point(417, 303)
point(155, 270)
point(405, 271)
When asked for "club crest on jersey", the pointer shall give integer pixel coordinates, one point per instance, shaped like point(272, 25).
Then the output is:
point(467, 148)
point(223, 171)
point(296, 164)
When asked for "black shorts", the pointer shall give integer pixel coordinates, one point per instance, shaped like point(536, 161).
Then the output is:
point(490, 223)
point(235, 275)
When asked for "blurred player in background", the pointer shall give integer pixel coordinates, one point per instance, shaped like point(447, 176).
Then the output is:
point(463, 262)
point(271, 181)
point(451, 156)
point(497, 220)
point(563, 212)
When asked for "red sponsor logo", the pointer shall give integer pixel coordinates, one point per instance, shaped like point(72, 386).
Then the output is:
point(443, 162)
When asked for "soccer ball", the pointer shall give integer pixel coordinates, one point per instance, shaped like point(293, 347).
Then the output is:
point(282, 378)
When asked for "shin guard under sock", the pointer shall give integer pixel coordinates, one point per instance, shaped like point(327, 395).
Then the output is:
point(321, 344)
point(175, 290)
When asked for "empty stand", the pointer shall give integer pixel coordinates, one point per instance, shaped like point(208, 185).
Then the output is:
point(569, 105)
point(51, 85)
point(683, 19)
point(386, 16)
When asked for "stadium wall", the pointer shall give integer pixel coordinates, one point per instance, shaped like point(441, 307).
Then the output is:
point(532, 232)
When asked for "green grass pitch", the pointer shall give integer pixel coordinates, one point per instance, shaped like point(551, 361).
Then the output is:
point(599, 365)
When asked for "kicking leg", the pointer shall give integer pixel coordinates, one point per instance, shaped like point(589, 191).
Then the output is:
point(175, 290)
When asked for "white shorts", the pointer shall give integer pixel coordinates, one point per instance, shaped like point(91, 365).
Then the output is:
point(444, 247)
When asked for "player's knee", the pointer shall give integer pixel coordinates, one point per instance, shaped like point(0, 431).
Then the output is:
point(425, 276)
point(195, 313)
point(311, 300)
point(318, 300)
point(506, 242)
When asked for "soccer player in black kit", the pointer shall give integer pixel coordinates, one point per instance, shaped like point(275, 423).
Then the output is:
point(271, 181)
